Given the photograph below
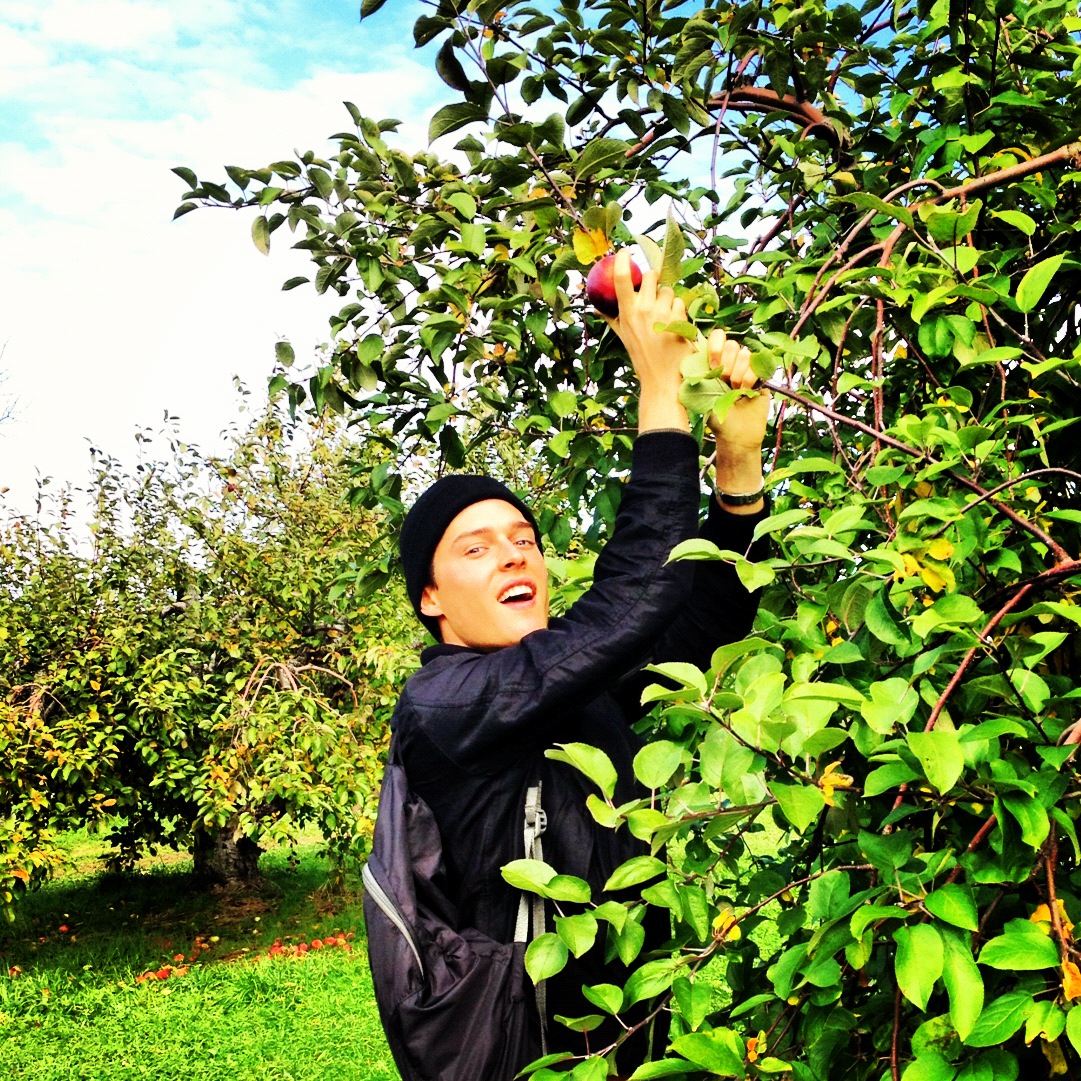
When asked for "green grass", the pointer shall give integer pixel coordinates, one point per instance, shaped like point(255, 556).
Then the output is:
point(75, 1009)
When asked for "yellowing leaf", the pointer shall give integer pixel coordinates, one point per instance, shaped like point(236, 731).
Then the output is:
point(923, 489)
point(1042, 918)
point(1071, 980)
point(933, 579)
point(911, 567)
point(725, 926)
point(590, 245)
point(1053, 1053)
point(832, 779)
point(940, 549)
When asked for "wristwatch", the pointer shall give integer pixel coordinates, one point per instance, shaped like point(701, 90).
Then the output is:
point(744, 499)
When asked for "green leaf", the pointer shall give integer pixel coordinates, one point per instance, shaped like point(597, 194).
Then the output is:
point(695, 548)
point(1001, 1019)
point(963, 981)
point(284, 354)
point(1031, 815)
point(568, 888)
point(686, 675)
point(867, 201)
point(652, 979)
point(694, 1000)
point(662, 1067)
point(1073, 1028)
point(594, 763)
point(929, 1066)
point(530, 875)
point(828, 895)
point(801, 804)
point(1032, 688)
point(452, 117)
point(545, 956)
point(634, 871)
point(1033, 285)
point(919, 961)
point(953, 904)
point(881, 624)
point(754, 575)
point(464, 203)
point(606, 996)
point(260, 234)
point(770, 1065)
point(941, 756)
point(721, 1051)
point(578, 932)
point(370, 7)
point(655, 763)
point(591, 1069)
point(1020, 952)
point(599, 154)
point(892, 703)
point(674, 246)
point(777, 523)
point(449, 68)
point(1045, 1020)
point(546, 1060)
point(580, 1024)
point(890, 852)
point(887, 777)
point(864, 916)
point(564, 403)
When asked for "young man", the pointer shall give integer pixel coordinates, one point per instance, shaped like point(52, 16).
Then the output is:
point(505, 683)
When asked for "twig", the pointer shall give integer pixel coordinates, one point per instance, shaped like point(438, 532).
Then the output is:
point(895, 1070)
point(1050, 862)
point(955, 680)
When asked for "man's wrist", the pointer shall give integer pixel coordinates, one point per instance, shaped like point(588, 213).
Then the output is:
point(738, 480)
point(661, 412)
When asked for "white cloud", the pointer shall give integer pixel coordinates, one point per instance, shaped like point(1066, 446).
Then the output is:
point(107, 24)
point(111, 313)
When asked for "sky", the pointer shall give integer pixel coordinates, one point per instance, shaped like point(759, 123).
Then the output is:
point(111, 313)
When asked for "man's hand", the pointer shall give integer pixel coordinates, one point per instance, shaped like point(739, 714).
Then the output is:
point(1071, 736)
point(656, 357)
point(739, 436)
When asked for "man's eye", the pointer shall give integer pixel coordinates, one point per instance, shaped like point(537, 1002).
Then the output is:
point(526, 542)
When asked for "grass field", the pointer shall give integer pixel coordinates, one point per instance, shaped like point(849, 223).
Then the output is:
point(117, 978)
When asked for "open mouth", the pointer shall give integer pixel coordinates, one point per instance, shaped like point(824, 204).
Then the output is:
point(520, 593)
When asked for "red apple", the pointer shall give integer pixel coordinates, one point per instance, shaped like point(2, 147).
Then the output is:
point(601, 285)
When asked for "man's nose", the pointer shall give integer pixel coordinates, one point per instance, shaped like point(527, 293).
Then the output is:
point(511, 554)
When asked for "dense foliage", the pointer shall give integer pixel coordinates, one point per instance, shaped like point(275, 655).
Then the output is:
point(189, 669)
point(868, 816)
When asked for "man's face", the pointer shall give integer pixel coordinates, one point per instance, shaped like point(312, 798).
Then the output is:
point(489, 584)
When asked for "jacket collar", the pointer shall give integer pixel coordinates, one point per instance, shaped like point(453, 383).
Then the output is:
point(443, 649)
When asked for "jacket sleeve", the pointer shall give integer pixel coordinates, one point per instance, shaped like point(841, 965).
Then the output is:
point(470, 703)
point(719, 609)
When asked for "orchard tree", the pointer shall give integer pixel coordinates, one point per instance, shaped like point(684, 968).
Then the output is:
point(191, 669)
point(868, 809)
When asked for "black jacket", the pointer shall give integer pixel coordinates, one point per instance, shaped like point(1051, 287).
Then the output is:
point(473, 726)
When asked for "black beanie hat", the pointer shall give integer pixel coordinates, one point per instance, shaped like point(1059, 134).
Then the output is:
point(428, 519)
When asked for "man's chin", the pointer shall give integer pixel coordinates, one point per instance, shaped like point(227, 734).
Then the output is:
point(513, 630)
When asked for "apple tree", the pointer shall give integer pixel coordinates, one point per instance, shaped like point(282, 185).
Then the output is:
point(868, 810)
point(190, 669)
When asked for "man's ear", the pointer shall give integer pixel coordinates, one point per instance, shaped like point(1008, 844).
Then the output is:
point(429, 603)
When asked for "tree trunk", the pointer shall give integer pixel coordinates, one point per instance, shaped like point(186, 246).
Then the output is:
point(226, 857)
